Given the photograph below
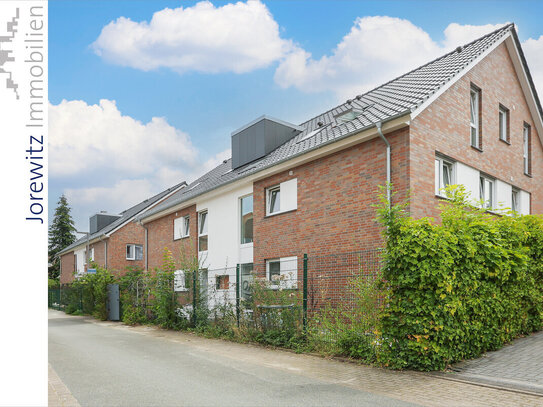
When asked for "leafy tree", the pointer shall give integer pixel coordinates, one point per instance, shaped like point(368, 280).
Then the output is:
point(61, 234)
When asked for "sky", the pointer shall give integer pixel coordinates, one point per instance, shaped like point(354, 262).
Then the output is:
point(145, 94)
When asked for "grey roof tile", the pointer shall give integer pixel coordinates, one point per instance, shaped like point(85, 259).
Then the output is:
point(125, 215)
point(400, 95)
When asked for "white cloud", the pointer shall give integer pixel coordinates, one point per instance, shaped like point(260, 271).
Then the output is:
point(89, 137)
point(113, 199)
point(533, 50)
point(456, 34)
point(236, 37)
point(117, 160)
point(377, 49)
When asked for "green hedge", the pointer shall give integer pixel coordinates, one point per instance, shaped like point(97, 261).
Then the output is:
point(461, 287)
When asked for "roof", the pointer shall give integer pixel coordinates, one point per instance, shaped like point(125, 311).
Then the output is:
point(125, 216)
point(395, 98)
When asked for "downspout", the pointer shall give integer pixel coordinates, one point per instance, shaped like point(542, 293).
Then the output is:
point(105, 254)
point(146, 245)
point(379, 125)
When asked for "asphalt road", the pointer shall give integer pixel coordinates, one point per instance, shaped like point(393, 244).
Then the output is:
point(105, 366)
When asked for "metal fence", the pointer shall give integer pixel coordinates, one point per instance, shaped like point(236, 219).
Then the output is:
point(322, 296)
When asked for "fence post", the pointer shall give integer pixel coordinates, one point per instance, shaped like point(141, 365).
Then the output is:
point(238, 286)
point(194, 291)
point(304, 301)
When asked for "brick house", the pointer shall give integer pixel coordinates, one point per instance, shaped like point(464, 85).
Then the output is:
point(470, 117)
point(114, 241)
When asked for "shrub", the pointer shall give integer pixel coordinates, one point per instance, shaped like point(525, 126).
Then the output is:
point(459, 288)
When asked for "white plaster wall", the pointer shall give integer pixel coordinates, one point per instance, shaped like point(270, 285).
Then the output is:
point(223, 230)
point(225, 250)
point(469, 177)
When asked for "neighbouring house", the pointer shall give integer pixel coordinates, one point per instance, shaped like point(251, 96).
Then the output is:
point(114, 241)
point(470, 117)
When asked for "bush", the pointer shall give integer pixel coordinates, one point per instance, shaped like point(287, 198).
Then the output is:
point(134, 289)
point(459, 288)
point(91, 292)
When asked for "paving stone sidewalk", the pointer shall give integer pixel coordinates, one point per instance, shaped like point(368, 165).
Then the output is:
point(516, 366)
point(59, 395)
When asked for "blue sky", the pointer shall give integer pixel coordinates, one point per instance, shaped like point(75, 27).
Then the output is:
point(172, 116)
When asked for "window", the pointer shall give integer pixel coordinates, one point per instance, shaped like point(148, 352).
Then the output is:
point(222, 282)
point(515, 200)
point(348, 116)
point(75, 262)
point(181, 227)
point(274, 270)
point(274, 199)
point(180, 281)
point(282, 197)
point(486, 192)
point(504, 124)
point(444, 175)
point(475, 121)
point(283, 272)
point(247, 219)
point(527, 149)
point(202, 231)
point(134, 252)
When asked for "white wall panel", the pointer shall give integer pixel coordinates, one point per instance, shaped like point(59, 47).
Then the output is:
point(503, 195)
point(80, 266)
point(469, 177)
point(524, 203)
point(289, 195)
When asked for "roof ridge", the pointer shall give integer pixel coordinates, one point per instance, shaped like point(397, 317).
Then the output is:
point(507, 26)
point(153, 197)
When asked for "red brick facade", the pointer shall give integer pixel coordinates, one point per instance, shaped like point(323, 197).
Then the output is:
point(336, 195)
point(131, 233)
point(444, 127)
point(67, 268)
point(160, 236)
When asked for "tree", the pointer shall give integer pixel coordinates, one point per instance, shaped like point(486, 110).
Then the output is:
point(61, 235)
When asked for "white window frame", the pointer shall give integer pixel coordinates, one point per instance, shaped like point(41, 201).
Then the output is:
point(201, 232)
point(515, 192)
point(180, 281)
point(91, 254)
point(133, 255)
point(440, 162)
point(485, 181)
point(475, 95)
point(288, 197)
point(526, 148)
point(180, 227)
point(503, 123)
point(269, 192)
point(288, 276)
